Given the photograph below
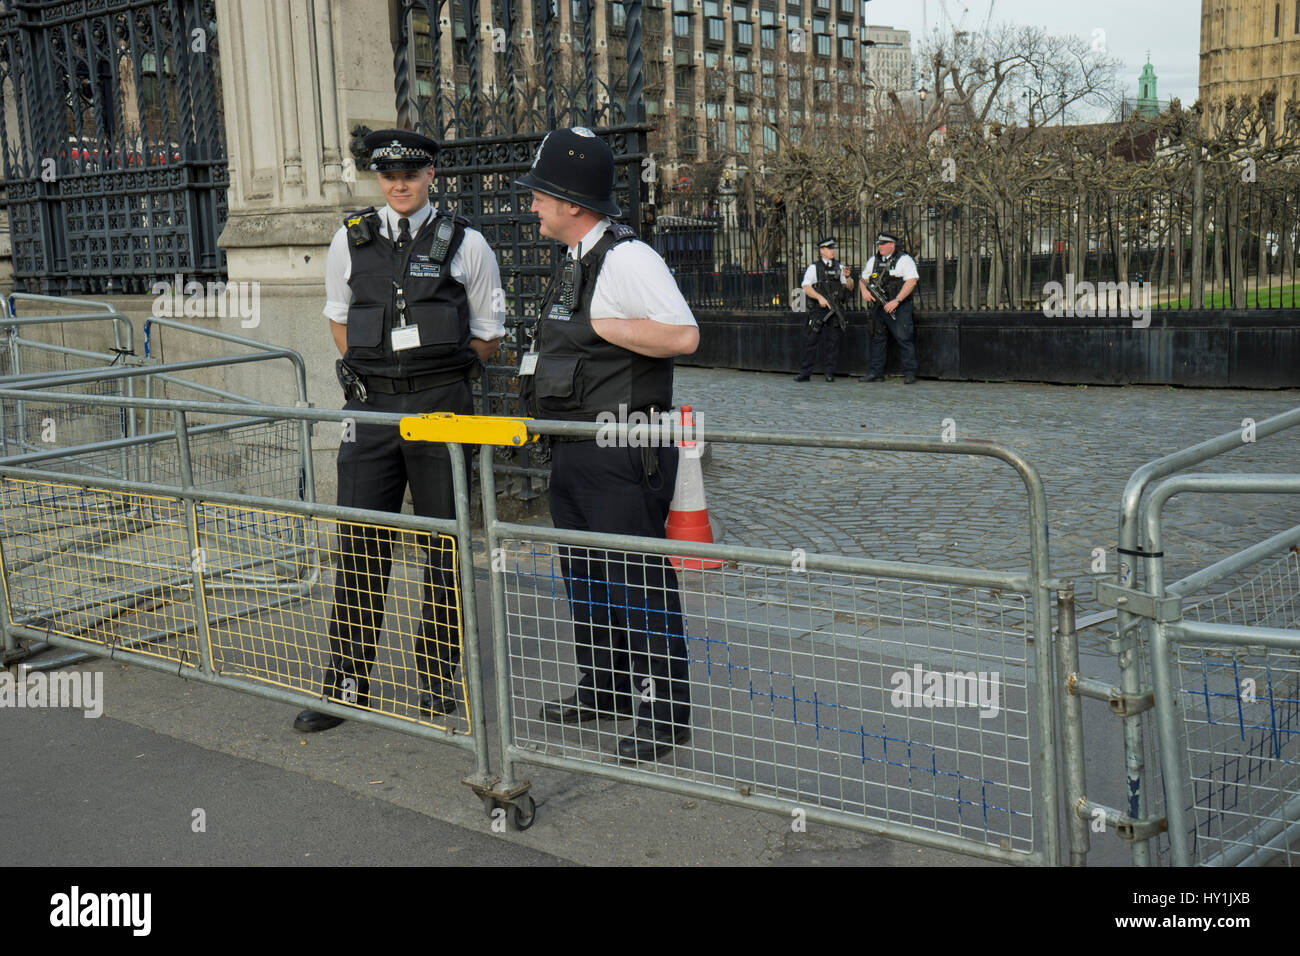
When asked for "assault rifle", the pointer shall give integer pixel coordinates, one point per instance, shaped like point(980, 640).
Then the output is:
point(832, 293)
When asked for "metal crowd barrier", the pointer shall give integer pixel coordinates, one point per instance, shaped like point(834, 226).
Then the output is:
point(227, 587)
point(1143, 694)
point(797, 672)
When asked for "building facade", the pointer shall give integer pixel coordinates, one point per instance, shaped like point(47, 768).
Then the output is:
point(1249, 47)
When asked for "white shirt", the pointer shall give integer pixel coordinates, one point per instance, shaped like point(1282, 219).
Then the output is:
point(474, 266)
point(634, 283)
point(810, 275)
point(904, 268)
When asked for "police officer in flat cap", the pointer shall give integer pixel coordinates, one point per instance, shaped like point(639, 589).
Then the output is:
point(894, 276)
point(608, 329)
point(824, 285)
point(410, 302)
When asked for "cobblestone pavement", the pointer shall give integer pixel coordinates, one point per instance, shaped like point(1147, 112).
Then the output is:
point(973, 512)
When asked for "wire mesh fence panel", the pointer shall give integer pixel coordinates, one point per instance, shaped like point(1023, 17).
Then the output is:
point(377, 587)
point(872, 697)
point(111, 568)
point(1238, 711)
point(145, 572)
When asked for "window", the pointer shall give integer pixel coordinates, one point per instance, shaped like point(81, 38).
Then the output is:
point(618, 15)
point(652, 107)
point(769, 138)
point(744, 33)
point(767, 18)
point(712, 58)
point(796, 119)
point(716, 31)
point(768, 37)
point(846, 7)
point(740, 63)
point(712, 8)
point(769, 86)
point(822, 91)
point(681, 25)
point(846, 94)
point(819, 73)
point(686, 110)
point(682, 57)
point(823, 4)
point(796, 135)
point(686, 137)
point(846, 49)
point(1297, 17)
point(1277, 18)
point(819, 24)
point(739, 12)
point(843, 29)
point(742, 137)
point(796, 90)
point(795, 7)
point(683, 82)
point(682, 6)
point(792, 23)
point(823, 45)
point(768, 68)
point(745, 83)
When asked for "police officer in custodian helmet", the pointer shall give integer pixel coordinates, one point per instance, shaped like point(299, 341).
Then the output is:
point(607, 333)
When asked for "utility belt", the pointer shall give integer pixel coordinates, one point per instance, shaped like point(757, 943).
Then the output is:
point(357, 386)
point(649, 454)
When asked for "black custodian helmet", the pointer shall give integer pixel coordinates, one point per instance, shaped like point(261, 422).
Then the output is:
point(576, 166)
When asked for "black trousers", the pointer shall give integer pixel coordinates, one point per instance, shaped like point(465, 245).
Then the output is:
point(629, 633)
point(901, 329)
point(373, 472)
point(825, 340)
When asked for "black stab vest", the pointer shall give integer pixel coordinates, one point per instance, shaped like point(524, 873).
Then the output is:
point(828, 277)
point(890, 283)
point(435, 303)
point(579, 374)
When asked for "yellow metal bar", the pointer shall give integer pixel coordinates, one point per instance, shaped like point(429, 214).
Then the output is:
point(467, 429)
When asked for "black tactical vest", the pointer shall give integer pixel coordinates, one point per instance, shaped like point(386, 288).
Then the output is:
point(435, 302)
point(579, 374)
point(880, 272)
point(828, 278)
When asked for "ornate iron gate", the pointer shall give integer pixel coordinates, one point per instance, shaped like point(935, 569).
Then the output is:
point(489, 92)
point(113, 142)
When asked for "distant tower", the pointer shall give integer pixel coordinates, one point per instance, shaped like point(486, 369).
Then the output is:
point(1147, 103)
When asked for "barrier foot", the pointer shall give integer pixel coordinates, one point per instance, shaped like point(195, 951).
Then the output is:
point(518, 805)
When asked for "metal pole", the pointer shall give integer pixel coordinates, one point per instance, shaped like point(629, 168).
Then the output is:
point(198, 563)
point(1076, 787)
point(469, 612)
point(500, 640)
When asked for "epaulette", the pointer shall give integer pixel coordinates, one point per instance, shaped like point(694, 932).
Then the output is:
point(622, 231)
point(362, 226)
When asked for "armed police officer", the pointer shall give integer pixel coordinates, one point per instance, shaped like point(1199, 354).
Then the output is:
point(888, 280)
point(412, 305)
point(824, 283)
point(607, 333)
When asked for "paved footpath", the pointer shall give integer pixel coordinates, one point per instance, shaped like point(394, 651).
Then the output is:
point(165, 747)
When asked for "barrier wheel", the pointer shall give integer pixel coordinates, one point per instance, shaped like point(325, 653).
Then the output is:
point(490, 805)
point(521, 819)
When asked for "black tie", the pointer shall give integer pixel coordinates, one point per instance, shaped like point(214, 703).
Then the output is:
point(403, 233)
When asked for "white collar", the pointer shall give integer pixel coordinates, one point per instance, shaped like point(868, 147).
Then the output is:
point(591, 238)
point(418, 218)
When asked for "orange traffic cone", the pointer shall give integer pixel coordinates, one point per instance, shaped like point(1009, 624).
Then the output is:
point(688, 515)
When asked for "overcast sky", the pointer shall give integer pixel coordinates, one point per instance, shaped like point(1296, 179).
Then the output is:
point(1170, 29)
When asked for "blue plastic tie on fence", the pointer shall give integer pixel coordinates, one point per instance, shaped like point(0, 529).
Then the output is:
point(794, 706)
point(862, 737)
point(148, 332)
point(1241, 720)
point(1272, 715)
point(817, 727)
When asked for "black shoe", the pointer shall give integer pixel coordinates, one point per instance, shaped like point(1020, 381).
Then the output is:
point(647, 744)
point(801, 377)
point(909, 379)
point(431, 704)
point(830, 377)
point(570, 711)
point(311, 722)
point(874, 378)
